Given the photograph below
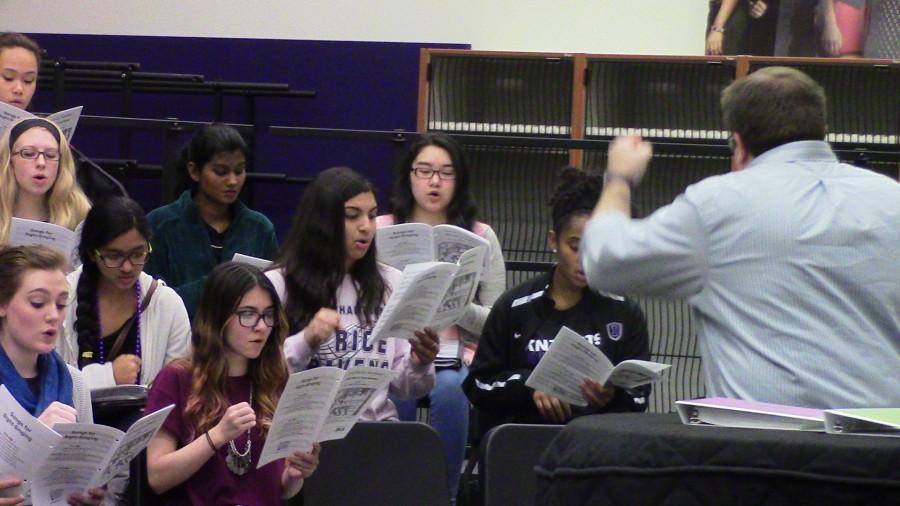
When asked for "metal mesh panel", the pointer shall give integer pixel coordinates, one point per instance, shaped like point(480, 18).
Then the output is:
point(673, 337)
point(672, 99)
point(863, 100)
point(500, 95)
point(512, 186)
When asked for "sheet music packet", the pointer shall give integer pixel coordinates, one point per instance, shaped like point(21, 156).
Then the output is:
point(571, 359)
point(412, 243)
point(320, 404)
point(260, 263)
point(23, 232)
point(66, 120)
point(90, 455)
point(430, 294)
point(25, 443)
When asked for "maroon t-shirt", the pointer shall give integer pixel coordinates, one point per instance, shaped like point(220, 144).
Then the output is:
point(214, 483)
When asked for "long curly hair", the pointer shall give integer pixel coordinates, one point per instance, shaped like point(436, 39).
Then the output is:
point(313, 254)
point(66, 203)
point(105, 222)
point(225, 287)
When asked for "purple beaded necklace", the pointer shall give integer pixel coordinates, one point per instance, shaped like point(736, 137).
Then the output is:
point(138, 296)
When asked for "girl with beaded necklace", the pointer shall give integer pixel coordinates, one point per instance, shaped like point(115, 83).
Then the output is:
point(225, 396)
point(123, 325)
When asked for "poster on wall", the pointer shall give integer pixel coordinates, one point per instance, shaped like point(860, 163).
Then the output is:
point(822, 28)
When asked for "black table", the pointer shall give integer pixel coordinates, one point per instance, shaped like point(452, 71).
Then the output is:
point(653, 459)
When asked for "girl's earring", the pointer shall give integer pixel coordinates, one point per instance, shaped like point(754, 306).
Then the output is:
point(554, 250)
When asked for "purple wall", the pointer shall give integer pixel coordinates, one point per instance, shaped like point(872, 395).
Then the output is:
point(359, 85)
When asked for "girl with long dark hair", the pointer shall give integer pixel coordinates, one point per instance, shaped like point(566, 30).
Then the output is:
point(225, 396)
point(431, 185)
point(123, 325)
point(334, 290)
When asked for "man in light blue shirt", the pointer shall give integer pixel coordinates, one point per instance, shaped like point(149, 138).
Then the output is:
point(791, 263)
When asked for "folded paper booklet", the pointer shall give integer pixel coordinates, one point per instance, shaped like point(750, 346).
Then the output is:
point(571, 359)
point(863, 421)
point(727, 412)
point(90, 455)
point(54, 463)
point(260, 263)
point(24, 232)
point(66, 120)
point(430, 294)
point(413, 243)
point(318, 405)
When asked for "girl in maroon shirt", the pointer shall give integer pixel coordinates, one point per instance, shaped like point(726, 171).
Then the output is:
point(225, 396)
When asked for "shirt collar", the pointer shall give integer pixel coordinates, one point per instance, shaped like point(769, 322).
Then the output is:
point(796, 151)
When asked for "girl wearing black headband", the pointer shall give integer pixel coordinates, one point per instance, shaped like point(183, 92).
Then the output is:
point(525, 319)
point(37, 177)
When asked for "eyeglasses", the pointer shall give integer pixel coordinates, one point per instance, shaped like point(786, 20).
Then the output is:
point(116, 259)
point(447, 173)
point(51, 155)
point(250, 318)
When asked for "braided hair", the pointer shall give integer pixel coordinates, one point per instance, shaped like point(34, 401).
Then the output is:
point(576, 195)
point(107, 220)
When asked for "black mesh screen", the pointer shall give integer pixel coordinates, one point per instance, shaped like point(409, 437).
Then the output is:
point(863, 101)
point(664, 99)
point(500, 95)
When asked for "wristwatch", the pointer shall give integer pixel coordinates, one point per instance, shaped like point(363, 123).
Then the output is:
point(718, 29)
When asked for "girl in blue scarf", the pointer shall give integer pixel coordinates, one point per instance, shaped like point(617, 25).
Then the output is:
point(33, 296)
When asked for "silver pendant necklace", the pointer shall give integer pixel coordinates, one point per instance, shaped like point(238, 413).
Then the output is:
point(239, 462)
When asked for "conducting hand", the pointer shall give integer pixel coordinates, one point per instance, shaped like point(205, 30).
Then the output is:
point(126, 369)
point(628, 158)
point(551, 408)
point(325, 323)
point(596, 394)
point(302, 464)
point(58, 412)
point(237, 420)
point(423, 350)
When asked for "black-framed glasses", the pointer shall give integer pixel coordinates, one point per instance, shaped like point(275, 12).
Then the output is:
point(425, 172)
point(250, 318)
point(116, 259)
point(28, 153)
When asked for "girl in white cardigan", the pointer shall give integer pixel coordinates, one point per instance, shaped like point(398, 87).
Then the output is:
point(122, 326)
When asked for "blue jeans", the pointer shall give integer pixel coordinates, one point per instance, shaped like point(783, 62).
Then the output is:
point(449, 417)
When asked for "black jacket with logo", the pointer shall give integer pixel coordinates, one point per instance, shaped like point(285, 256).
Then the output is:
point(520, 328)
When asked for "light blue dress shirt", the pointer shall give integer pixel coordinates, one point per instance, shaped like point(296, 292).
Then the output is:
point(792, 268)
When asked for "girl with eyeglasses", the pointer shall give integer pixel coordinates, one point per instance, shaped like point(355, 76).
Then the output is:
point(33, 298)
point(37, 177)
point(333, 290)
point(122, 325)
point(225, 396)
point(431, 185)
point(208, 224)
